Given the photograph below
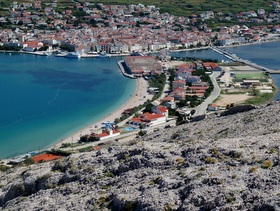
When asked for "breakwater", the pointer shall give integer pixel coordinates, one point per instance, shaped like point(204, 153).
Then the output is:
point(120, 63)
point(235, 58)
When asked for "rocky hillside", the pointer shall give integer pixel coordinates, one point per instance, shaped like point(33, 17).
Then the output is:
point(220, 163)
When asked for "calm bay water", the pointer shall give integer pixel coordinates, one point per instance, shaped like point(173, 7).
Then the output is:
point(44, 99)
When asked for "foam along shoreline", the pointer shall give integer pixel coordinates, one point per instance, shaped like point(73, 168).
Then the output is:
point(139, 97)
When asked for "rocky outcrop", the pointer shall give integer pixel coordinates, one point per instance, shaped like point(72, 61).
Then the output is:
point(219, 163)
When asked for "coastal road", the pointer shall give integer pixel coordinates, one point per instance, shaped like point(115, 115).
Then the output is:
point(128, 136)
point(201, 109)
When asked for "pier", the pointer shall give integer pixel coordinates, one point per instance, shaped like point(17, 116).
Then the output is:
point(123, 70)
point(235, 58)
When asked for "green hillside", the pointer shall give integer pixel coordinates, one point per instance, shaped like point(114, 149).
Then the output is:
point(176, 7)
point(187, 7)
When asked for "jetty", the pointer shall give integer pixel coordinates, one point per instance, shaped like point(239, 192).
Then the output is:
point(235, 58)
point(120, 63)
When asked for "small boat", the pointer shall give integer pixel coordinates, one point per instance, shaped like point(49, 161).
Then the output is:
point(46, 53)
point(103, 54)
point(73, 55)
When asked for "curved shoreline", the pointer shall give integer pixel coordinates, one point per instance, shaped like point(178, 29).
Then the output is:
point(135, 100)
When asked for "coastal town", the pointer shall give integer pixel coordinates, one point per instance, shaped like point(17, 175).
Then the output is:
point(196, 134)
point(134, 31)
point(93, 28)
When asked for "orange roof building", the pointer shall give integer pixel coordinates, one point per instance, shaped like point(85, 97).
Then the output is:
point(45, 157)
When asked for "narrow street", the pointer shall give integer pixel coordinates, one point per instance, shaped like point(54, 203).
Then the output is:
point(201, 109)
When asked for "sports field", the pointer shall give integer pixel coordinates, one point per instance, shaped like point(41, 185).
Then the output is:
point(250, 75)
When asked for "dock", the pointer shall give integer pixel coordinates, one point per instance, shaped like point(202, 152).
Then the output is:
point(123, 70)
point(235, 58)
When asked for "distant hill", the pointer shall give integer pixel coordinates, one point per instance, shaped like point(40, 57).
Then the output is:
point(176, 7)
point(220, 163)
point(187, 7)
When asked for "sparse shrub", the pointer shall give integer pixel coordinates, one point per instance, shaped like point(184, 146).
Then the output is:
point(266, 164)
point(103, 201)
point(214, 151)
point(179, 161)
point(233, 176)
point(59, 165)
point(109, 174)
point(253, 169)
point(131, 143)
point(271, 151)
point(142, 132)
point(46, 176)
point(167, 207)
point(234, 154)
point(28, 161)
point(230, 199)
point(4, 168)
point(262, 147)
point(210, 160)
point(202, 169)
point(200, 174)
point(175, 135)
point(106, 187)
point(130, 205)
point(229, 168)
point(64, 145)
point(157, 179)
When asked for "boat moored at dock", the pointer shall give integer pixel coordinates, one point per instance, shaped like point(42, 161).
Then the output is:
point(73, 55)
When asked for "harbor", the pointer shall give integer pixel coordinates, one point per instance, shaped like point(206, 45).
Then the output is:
point(235, 58)
point(121, 66)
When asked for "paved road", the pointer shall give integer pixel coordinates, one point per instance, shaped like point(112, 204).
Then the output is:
point(121, 138)
point(201, 109)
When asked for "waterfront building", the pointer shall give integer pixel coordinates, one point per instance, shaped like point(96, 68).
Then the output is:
point(142, 65)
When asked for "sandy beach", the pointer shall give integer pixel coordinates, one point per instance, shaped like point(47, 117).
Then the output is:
point(139, 97)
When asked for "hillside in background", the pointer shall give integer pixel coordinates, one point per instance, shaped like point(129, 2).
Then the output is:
point(175, 7)
point(221, 163)
point(187, 7)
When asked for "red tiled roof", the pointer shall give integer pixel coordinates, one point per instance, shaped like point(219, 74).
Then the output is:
point(106, 134)
point(150, 117)
point(162, 109)
point(178, 89)
point(45, 157)
point(147, 117)
point(210, 64)
point(180, 81)
point(168, 99)
point(198, 87)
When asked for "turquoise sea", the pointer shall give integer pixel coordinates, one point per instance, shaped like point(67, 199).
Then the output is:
point(45, 99)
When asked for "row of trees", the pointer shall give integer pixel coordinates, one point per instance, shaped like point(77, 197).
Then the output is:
point(155, 81)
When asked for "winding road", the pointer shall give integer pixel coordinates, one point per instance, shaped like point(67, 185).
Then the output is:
point(201, 109)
